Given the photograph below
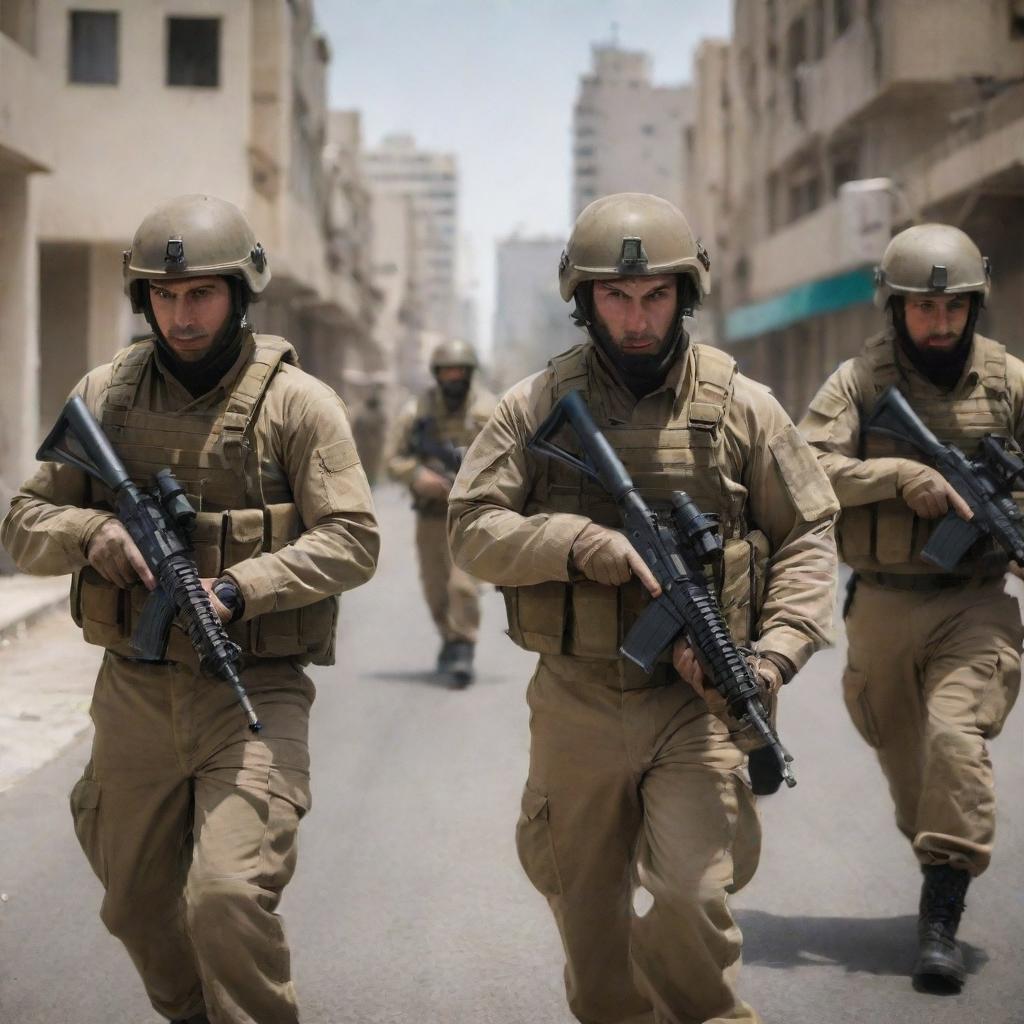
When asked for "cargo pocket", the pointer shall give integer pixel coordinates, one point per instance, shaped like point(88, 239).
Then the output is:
point(1000, 694)
point(534, 844)
point(99, 607)
point(855, 694)
point(536, 616)
point(288, 800)
point(85, 803)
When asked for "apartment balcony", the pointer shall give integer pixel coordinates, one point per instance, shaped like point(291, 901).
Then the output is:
point(26, 100)
point(806, 269)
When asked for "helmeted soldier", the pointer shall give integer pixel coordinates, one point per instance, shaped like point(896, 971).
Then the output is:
point(189, 820)
point(933, 666)
point(636, 778)
point(430, 437)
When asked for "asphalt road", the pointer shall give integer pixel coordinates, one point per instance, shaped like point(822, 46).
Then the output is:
point(409, 906)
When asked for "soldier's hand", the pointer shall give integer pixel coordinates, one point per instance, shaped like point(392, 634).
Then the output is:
point(685, 662)
point(219, 607)
point(113, 554)
point(928, 493)
point(605, 556)
point(430, 485)
point(768, 674)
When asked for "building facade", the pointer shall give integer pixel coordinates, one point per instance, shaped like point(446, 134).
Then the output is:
point(531, 322)
point(832, 124)
point(628, 134)
point(111, 111)
point(430, 181)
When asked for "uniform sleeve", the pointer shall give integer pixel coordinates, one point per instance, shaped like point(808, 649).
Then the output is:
point(402, 464)
point(791, 502)
point(832, 426)
point(490, 537)
point(49, 526)
point(339, 548)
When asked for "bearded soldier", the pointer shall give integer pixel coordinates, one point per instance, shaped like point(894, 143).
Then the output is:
point(634, 778)
point(189, 820)
point(933, 666)
point(431, 435)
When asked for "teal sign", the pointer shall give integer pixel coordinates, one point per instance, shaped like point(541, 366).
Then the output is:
point(812, 299)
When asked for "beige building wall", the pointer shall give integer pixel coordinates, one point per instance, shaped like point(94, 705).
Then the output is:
point(26, 155)
point(628, 134)
point(254, 135)
point(430, 180)
point(821, 92)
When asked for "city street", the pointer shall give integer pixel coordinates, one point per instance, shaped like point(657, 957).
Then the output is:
point(409, 905)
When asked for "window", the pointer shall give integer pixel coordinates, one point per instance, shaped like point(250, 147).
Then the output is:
point(843, 15)
point(92, 57)
point(796, 54)
point(193, 51)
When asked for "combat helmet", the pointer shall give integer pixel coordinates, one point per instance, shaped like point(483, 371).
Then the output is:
point(931, 258)
point(632, 234)
point(192, 236)
point(453, 353)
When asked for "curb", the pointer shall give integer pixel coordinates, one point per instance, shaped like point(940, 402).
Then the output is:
point(13, 626)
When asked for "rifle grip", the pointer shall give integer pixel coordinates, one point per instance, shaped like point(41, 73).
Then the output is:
point(152, 630)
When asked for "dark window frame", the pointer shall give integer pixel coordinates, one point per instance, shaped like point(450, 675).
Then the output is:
point(82, 67)
point(193, 70)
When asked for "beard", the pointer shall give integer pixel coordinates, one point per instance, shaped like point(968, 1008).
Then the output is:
point(641, 372)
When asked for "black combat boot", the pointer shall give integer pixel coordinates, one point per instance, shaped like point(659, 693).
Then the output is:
point(199, 1018)
point(940, 962)
point(461, 664)
point(444, 657)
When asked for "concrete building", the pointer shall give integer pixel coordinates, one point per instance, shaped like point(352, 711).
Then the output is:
point(430, 181)
point(27, 152)
point(531, 322)
point(135, 103)
point(628, 134)
point(816, 94)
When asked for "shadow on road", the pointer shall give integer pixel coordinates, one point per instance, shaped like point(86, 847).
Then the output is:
point(881, 945)
point(425, 677)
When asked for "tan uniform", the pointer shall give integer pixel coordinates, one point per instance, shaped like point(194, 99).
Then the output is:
point(369, 428)
point(187, 819)
point(631, 779)
point(452, 595)
point(934, 659)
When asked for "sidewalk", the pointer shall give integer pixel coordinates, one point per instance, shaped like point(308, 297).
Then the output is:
point(46, 674)
point(23, 599)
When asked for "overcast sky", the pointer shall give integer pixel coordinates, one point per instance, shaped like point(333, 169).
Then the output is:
point(494, 82)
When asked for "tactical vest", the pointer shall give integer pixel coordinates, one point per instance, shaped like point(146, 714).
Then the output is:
point(887, 535)
point(460, 427)
point(214, 455)
point(587, 619)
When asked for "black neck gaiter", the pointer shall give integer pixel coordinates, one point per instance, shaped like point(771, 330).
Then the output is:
point(943, 369)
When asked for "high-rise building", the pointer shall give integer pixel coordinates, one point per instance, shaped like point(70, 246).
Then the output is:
point(830, 126)
point(531, 322)
point(628, 134)
point(430, 180)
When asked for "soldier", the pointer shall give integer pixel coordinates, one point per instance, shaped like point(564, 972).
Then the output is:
point(189, 820)
point(634, 779)
point(369, 427)
point(933, 666)
point(430, 437)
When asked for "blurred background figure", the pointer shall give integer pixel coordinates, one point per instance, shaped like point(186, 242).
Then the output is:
point(431, 437)
point(369, 430)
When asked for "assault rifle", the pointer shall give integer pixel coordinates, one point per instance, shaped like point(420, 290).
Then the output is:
point(424, 442)
point(985, 482)
point(676, 555)
point(160, 522)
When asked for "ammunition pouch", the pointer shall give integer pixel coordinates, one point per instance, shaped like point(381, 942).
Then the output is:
point(108, 614)
point(589, 620)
